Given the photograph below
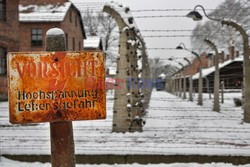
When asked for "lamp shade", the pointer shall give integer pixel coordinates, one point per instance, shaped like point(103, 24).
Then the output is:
point(194, 15)
point(179, 47)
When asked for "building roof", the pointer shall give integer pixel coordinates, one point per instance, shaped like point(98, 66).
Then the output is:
point(47, 13)
point(43, 13)
point(92, 42)
point(162, 75)
point(207, 71)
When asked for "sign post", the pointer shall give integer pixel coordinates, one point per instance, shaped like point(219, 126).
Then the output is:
point(61, 133)
point(57, 87)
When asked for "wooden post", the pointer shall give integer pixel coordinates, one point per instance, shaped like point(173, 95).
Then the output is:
point(61, 133)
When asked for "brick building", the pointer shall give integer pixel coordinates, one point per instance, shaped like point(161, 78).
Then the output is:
point(194, 68)
point(93, 43)
point(29, 20)
point(9, 26)
point(230, 69)
point(38, 16)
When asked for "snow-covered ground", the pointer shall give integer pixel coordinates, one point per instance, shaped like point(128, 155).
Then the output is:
point(173, 127)
point(9, 163)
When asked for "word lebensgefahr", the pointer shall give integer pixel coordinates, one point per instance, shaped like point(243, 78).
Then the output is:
point(56, 100)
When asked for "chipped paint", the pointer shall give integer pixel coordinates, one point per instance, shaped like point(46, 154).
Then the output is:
point(56, 86)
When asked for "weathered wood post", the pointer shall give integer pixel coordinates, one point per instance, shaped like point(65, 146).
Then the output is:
point(61, 133)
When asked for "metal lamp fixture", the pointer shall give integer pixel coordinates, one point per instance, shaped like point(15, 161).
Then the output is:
point(182, 46)
point(179, 47)
point(196, 16)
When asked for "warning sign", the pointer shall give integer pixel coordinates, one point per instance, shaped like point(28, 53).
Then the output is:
point(56, 86)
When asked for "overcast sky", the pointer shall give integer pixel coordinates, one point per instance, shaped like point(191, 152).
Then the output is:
point(165, 23)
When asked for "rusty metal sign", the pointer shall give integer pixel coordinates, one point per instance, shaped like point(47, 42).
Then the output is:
point(56, 86)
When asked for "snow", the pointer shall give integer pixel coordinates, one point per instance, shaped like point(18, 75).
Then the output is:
point(92, 42)
point(124, 15)
point(162, 75)
point(132, 42)
point(10, 163)
point(54, 32)
point(207, 71)
point(174, 127)
point(125, 29)
point(43, 13)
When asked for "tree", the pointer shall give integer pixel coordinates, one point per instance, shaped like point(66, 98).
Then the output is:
point(157, 67)
point(100, 24)
point(223, 37)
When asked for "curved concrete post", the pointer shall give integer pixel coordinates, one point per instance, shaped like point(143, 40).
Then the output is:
point(246, 68)
point(127, 104)
point(216, 106)
point(190, 88)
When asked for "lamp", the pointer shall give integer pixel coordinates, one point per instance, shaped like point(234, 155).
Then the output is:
point(182, 46)
point(196, 16)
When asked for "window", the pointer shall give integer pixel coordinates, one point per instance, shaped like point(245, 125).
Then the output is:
point(36, 37)
point(80, 45)
point(76, 20)
point(70, 16)
point(3, 61)
point(66, 36)
point(73, 43)
point(2, 10)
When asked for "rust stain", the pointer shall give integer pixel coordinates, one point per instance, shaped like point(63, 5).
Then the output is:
point(56, 86)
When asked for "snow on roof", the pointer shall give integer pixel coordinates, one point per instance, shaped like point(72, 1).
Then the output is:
point(162, 75)
point(55, 32)
point(43, 13)
point(92, 42)
point(207, 71)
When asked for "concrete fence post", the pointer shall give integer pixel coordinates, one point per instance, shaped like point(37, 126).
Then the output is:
point(222, 91)
point(180, 85)
point(200, 86)
point(190, 88)
point(184, 87)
